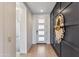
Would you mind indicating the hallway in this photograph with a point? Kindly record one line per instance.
(50, 23)
(39, 29)
(35, 28)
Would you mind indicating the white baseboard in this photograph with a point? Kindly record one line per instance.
(46, 43)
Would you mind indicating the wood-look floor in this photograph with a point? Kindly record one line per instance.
(41, 50)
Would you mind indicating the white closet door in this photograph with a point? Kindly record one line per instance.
(10, 29)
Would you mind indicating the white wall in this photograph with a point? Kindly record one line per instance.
(47, 25)
(7, 29)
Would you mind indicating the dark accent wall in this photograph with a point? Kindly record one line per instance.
(69, 47)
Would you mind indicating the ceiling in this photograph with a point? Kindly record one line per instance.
(41, 7)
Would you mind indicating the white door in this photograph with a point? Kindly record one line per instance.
(40, 31)
(9, 34)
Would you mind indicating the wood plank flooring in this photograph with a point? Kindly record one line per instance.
(41, 50)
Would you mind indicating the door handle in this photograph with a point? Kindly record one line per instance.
(9, 39)
(36, 31)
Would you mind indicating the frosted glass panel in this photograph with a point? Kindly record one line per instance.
(40, 32)
(41, 20)
(41, 27)
(41, 38)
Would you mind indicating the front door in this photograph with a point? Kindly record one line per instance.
(40, 31)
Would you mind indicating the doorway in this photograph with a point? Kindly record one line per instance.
(41, 29)
(40, 32)
(21, 29)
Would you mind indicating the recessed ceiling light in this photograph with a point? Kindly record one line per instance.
(42, 10)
